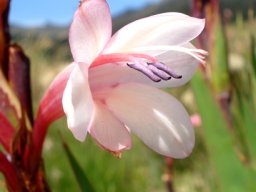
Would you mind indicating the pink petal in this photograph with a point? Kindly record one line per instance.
(155, 117)
(112, 74)
(161, 29)
(78, 104)
(90, 30)
(109, 131)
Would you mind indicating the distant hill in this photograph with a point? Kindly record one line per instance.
(183, 6)
(50, 42)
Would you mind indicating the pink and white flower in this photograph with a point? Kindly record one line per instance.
(112, 87)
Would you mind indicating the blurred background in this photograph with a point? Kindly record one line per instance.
(223, 93)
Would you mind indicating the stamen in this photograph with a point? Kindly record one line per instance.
(166, 69)
(146, 71)
(155, 71)
(159, 73)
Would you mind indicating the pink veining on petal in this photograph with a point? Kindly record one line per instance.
(121, 57)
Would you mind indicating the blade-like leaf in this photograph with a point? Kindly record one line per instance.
(81, 177)
(249, 122)
(232, 177)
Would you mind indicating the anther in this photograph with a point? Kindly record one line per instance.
(163, 75)
(155, 71)
(145, 70)
(166, 69)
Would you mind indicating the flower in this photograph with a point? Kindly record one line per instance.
(112, 87)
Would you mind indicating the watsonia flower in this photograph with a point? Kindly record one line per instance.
(112, 87)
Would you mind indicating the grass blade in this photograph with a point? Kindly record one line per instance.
(230, 173)
(81, 177)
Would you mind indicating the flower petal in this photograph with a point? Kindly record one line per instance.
(161, 29)
(112, 74)
(155, 117)
(78, 104)
(181, 63)
(90, 30)
(109, 131)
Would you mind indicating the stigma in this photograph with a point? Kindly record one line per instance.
(156, 71)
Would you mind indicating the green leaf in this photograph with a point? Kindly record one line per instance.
(81, 177)
(231, 176)
(252, 54)
(249, 122)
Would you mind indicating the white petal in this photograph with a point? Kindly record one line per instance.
(90, 30)
(155, 117)
(113, 74)
(78, 104)
(108, 131)
(181, 63)
(162, 29)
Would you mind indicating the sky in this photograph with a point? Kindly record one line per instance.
(39, 12)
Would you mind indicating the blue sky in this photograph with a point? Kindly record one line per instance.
(38, 12)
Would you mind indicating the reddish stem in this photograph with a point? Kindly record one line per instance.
(168, 174)
(10, 174)
(7, 132)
